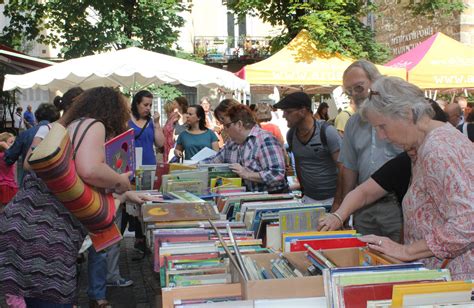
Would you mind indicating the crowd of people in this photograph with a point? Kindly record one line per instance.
(395, 161)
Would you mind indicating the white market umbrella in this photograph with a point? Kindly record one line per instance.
(125, 68)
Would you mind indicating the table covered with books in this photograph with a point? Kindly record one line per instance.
(217, 245)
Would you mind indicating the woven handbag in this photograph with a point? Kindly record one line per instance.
(53, 162)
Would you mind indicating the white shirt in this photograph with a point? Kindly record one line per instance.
(19, 121)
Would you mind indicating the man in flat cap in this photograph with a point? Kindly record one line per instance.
(315, 146)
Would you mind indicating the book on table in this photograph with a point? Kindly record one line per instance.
(170, 212)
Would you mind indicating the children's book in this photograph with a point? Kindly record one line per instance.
(106, 238)
(166, 212)
(120, 153)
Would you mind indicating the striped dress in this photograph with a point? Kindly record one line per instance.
(39, 244)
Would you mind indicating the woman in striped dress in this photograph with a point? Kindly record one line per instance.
(39, 237)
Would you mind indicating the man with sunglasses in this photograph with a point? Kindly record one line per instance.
(362, 153)
(315, 146)
(253, 153)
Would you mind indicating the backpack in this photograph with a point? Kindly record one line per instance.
(323, 137)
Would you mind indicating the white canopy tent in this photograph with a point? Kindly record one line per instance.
(130, 68)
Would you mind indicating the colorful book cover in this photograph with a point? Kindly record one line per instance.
(218, 182)
(300, 220)
(357, 296)
(287, 238)
(331, 243)
(452, 291)
(120, 153)
(166, 212)
(105, 238)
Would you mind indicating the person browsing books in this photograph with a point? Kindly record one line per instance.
(394, 176)
(438, 207)
(38, 258)
(254, 154)
(197, 136)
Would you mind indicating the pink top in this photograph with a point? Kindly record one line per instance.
(439, 204)
(7, 173)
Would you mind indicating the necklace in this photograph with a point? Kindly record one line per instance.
(304, 133)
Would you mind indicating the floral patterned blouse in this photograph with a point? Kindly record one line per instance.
(439, 204)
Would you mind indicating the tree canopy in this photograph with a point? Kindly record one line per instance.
(85, 27)
(335, 25)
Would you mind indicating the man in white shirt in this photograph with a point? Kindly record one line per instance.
(19, 122)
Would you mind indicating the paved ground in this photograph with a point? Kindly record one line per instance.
(144, 293)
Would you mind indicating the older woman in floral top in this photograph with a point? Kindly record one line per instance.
(438, 208)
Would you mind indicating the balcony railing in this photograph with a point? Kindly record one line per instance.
(222, 49)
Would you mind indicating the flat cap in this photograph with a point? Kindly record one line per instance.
(294, 100)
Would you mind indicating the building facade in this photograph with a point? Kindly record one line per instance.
(398, 29)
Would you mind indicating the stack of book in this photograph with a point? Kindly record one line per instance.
(193, 181)
(187, 264)
(200, 179)
(195, 256)
(354, 286)
(231, 204)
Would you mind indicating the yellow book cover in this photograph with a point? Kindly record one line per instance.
(225, 182)
(399, 291)
(175, 166)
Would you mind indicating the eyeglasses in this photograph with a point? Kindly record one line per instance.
(372, 93)
(357, 89)
(227, 125)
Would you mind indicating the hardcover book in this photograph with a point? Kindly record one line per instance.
(166, 212)
(120, 153)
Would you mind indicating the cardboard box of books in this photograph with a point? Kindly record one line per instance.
(207, 293)
(287, 275)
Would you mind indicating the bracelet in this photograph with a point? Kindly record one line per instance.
(338, 217)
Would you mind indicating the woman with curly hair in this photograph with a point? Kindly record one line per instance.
(39, 237)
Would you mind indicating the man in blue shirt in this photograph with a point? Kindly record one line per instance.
(29, 117)
(46, 113)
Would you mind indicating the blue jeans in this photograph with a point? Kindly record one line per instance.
(97, 274)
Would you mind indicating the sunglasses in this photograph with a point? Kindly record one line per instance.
(357, 89)
(372, 93)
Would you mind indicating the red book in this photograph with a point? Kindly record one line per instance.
(357, 295)
(161, 169)
(317, 244)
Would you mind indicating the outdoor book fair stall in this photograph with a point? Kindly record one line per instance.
(217, 245)
(214, 243)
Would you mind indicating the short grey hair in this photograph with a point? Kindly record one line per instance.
(396, 98)
(368, 67)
